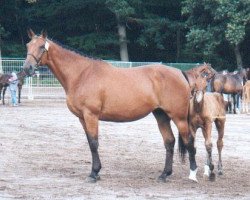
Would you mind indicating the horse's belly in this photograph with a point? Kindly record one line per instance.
(125, 112)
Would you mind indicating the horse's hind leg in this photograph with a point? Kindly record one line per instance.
(220, 124)
(19, 93)
(235, 104)
(90, 125)
(209, 167)
(169, 141)
(186, 143)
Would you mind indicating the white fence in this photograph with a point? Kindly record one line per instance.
(44, 85)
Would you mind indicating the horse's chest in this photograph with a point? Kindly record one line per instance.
(197, 121)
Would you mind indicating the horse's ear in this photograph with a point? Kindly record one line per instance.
(44, 34)
(31, 34)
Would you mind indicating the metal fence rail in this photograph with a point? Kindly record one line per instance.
(44, 84)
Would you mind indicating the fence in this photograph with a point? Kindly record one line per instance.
(44, 85)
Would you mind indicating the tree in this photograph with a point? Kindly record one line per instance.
(159, 29)
(122, 11)
(87, 26)
(216, 24)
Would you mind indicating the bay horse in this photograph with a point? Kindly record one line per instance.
(206, 109)
(248, 73)
(229, 83)
(4, 83)
(96, 90)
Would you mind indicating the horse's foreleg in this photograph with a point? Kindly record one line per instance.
(1, 92)
(209, 167)
(235, 103)
(220, 124)
(90, 125)
(4, 90)
(19, 93)
(169, 141)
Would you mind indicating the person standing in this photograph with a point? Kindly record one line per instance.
(13, 81)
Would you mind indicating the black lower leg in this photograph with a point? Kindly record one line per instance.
(96, 164)
(192, 151)
(169, 160)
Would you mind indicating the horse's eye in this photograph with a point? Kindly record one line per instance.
(42, 47)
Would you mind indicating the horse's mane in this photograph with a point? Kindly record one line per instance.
(76, 51)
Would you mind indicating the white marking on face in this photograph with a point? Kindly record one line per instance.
(46, 46)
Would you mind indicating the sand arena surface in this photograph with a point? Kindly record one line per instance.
(45, 155)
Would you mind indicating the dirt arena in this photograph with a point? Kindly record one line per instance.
(45, 155)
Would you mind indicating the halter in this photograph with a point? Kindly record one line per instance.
(38, 61)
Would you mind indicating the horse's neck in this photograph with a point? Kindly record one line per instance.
(191, 80)
(21, 75)
(197, 106)
(66, 65)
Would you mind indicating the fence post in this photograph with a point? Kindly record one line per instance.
(30, 93)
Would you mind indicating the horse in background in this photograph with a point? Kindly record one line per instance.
(206, 108)
(4, 83)
(96, 90)
(248, 73)
(230, 83)
(246, 97)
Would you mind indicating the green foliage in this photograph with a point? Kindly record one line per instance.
(157, 30)
(121, 8)
(212, 23)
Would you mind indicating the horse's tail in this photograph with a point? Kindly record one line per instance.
(182, 149)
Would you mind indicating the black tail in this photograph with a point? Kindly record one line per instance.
(182, 149)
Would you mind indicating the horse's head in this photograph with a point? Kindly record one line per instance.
(200, 76)
(36, 49)
(243, 74)
(206, 71)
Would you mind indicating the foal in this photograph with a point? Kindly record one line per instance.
(246, 97)
(206, 108)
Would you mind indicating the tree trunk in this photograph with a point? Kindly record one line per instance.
(1, 64)
(238, 55)
(178, 44)
(122, 40)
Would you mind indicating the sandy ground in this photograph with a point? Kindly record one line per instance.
(45, 155)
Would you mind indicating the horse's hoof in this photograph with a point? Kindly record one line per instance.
(207, 171)
(220, 173)
(91, 179)
(212, 177)
(192, 175)
(162, 179)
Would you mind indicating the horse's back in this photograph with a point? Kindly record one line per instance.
(214, 104)
(227, 84)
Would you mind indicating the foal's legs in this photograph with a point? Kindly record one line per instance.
(209, 167)
(168, 137)
(90, 125)
(220, 124)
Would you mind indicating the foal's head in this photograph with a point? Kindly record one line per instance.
(36, 50)
(202, 73)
